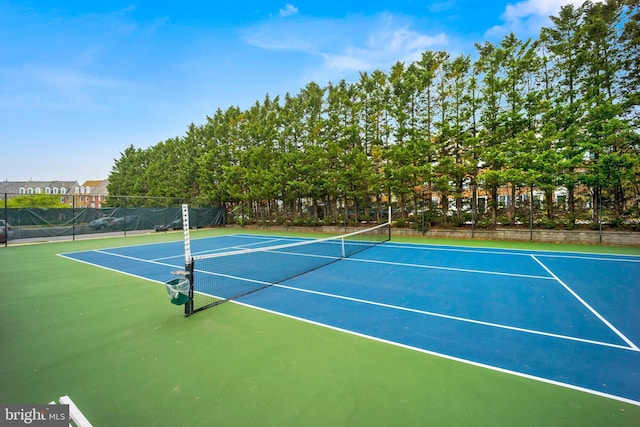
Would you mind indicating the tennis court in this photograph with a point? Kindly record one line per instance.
(569, 319)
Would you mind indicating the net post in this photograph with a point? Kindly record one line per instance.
(188, 261)
(389, 221)
(188, 307)
(185, 230)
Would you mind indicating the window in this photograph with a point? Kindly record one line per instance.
(47, 190)
(22, 190)
(29, 190)
(562, 200)
(38, 190)
(63, 190)
(503, 200)
(482, 204)
(55, 190)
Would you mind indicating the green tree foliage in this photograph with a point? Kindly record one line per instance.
(127, 177)
(524, 117)
(36, 201)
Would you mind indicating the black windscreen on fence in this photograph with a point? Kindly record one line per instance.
(25, 223)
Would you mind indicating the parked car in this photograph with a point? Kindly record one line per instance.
(5, 231)
(116, 223)
(104, 222)
(175, 225)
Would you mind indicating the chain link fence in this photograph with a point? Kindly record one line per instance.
(70, 219)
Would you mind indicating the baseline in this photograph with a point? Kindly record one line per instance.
(591, 309)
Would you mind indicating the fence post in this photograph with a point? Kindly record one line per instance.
(474, 208)
(73, 217)
(6, 227)
(124, 221)
(600, 215)
(531, 214)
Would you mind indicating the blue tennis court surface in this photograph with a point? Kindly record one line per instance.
(566, 318)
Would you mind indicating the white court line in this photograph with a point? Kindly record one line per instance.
(424, 312)
(519, 252)
(456, 318)
(594, 392)
(403, 264)
(139, 245)
(458, 270)
(593, 258)
(425, 351)
(591, 309)
(268, 241)
(228, 248)
(632, 346)
(220, 250)
(108, 268)
(137, 259)
(461, 319)
(448, 357)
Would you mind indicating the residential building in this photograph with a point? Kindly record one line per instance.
(92, 194)
(65, 190)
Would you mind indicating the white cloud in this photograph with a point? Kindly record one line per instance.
(384, 47)
(347, 45)
(62, 79)
(526, 18)
(53, 87)
(288, 10)
(442, 6)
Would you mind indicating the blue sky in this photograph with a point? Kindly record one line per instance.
(80, 80)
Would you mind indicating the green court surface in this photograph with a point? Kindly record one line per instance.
(127, 357)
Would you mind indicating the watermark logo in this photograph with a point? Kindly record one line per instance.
(34, 415)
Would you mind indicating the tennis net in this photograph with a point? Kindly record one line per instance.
(221, 277)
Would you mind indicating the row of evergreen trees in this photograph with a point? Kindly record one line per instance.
(558, 111)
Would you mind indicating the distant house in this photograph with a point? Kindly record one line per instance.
(65, 190)
(92, 194)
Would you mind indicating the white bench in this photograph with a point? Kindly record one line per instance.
(77, 418)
